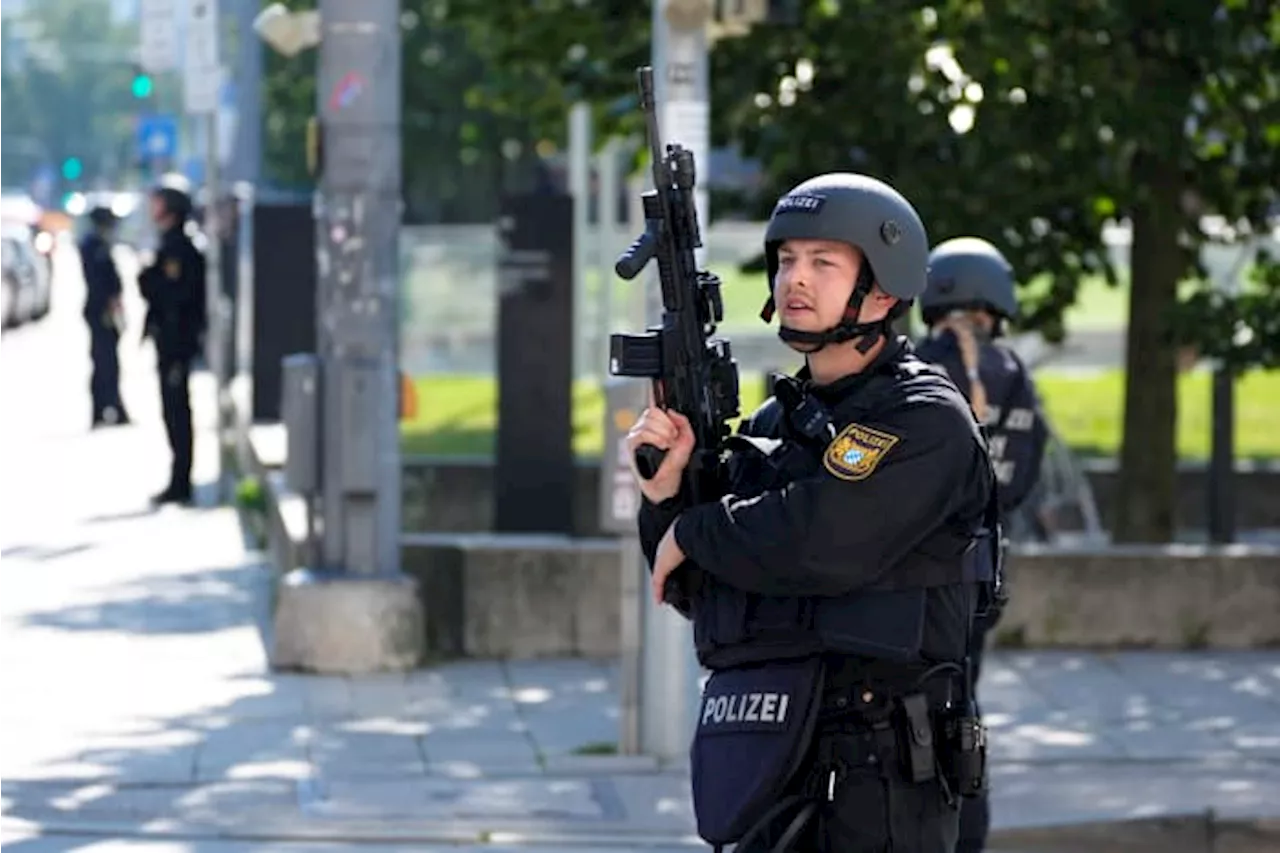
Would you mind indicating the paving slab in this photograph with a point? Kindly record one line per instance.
(138, 700)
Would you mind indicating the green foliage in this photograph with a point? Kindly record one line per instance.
(1241, 329)
(1032, 123)
(542, 56)
(457, 414)
(463, 145)
(67, 91)
(1076, 111)
(250, 495)
(289, 100)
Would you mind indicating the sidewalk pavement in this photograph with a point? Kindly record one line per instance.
(138, 701)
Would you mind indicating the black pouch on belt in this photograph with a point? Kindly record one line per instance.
(755, 726)
(922, 758)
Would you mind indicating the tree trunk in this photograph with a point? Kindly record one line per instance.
(1148, 455)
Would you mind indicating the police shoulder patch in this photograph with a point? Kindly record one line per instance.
(173, 268)
(857, 451)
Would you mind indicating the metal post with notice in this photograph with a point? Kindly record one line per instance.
(619, 503)
(670, 672)
(1226, 265)
(202, 80)
(355, 611)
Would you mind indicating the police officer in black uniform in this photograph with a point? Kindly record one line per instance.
(970, 296)
(969, 299)
(174, 288)
(103, 313)
(833, 587)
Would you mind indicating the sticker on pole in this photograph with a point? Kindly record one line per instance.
(347, 91)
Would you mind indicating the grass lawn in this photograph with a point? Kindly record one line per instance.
(456, 414)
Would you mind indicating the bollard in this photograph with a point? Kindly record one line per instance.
(300, 413)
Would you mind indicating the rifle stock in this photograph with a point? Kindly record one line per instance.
(691, 371)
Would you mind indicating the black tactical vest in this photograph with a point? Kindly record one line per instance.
(1016, 432)
(888, 621)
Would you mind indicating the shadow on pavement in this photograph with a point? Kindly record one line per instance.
(189, 603)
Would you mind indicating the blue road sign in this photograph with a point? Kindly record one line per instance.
(157, 137)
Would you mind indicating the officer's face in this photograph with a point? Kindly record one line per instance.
(814, 282)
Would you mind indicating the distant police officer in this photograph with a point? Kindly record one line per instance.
(103, 313)
(832, 589)
(174, 287)
(969, 298)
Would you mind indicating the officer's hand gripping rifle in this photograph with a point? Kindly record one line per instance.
(692, 372)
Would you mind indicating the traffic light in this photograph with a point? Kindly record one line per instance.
(72, 168)
(142, 85)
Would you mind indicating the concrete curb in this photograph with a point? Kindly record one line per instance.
(1187, 833)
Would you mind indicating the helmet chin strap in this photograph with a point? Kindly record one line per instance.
(848, 329)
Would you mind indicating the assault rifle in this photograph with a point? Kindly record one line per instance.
(692, 372)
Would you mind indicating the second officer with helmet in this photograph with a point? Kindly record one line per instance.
(969, 299)
(833, 587)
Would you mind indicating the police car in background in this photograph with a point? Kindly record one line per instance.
(28, 259)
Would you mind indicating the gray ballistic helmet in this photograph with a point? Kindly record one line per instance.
(871, 216)
(968, 272)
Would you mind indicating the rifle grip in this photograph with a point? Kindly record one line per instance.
(649, 460)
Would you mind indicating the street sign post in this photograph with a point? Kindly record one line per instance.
(158, 42)
(157, 138)
(201, 78)
(201, 90)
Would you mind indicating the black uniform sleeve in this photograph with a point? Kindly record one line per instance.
(653, 521)
(199, 283)
(883, 488)
(108, 279)
(149, 279)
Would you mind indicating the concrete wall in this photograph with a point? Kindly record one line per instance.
(531, 596)
(455, 495)
(517, 596)
(491, 596)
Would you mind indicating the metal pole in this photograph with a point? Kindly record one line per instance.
(670, 673)
(358, 221)
(1222, 458)
(1227, 265)
(215, 334)
(247, 163)
(607, 229)
(241, 385)
(580, 188)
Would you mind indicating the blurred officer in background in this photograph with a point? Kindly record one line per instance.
(969, 298)
(105, 316)
(174, 288)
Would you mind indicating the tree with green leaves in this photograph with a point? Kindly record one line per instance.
(541, 57)
(1158, 114)
(460, 153)
(1032, 123)
(67, 90)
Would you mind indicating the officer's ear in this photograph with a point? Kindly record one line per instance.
(880, 304)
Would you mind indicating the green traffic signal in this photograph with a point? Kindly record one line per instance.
(142, 86)
(72, 168)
